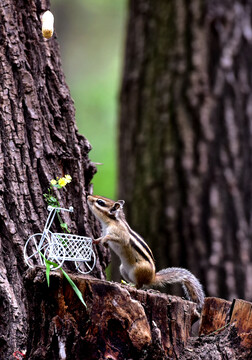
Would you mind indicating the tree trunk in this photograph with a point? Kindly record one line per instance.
(38, 141)
(185, 137)
(123, 323)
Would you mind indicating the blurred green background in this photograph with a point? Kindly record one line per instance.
(91, 34)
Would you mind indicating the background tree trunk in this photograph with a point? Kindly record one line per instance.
(185, 137)
(38, 141)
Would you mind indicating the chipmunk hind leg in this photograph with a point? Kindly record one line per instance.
(144, 274)
(141, 274)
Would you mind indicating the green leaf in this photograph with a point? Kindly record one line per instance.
(64, 226)
(48, 261)
(48, 268)
(75, 288)
(53, 201)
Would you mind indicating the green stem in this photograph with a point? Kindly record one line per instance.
(217, 330)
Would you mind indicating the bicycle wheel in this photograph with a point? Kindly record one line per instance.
(55, 253)
(33, 250)
(85, 267)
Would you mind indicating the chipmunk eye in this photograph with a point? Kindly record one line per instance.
(101, 202)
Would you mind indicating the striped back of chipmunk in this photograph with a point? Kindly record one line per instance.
(138, 243)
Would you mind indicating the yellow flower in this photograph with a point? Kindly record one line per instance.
(53, 182)
(68, 178)
(62, 182)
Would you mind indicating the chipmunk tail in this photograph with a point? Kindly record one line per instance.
(191, 285)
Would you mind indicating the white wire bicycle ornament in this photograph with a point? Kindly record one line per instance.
(59, 247)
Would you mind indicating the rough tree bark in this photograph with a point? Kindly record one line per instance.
(185, 137)
(38, 141)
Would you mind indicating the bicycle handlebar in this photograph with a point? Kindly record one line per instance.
(51, 208)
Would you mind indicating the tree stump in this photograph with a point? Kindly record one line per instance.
(121, 322)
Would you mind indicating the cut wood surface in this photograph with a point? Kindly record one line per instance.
(121, 322)
(242, 320)
(226, 332)
(218, 314)
(214, 315)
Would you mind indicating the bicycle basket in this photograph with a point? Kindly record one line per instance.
(77, 248)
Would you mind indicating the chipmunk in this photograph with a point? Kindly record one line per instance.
(137, 261)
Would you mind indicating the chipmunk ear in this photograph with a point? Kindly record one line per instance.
(121, 202)
(117, 205)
